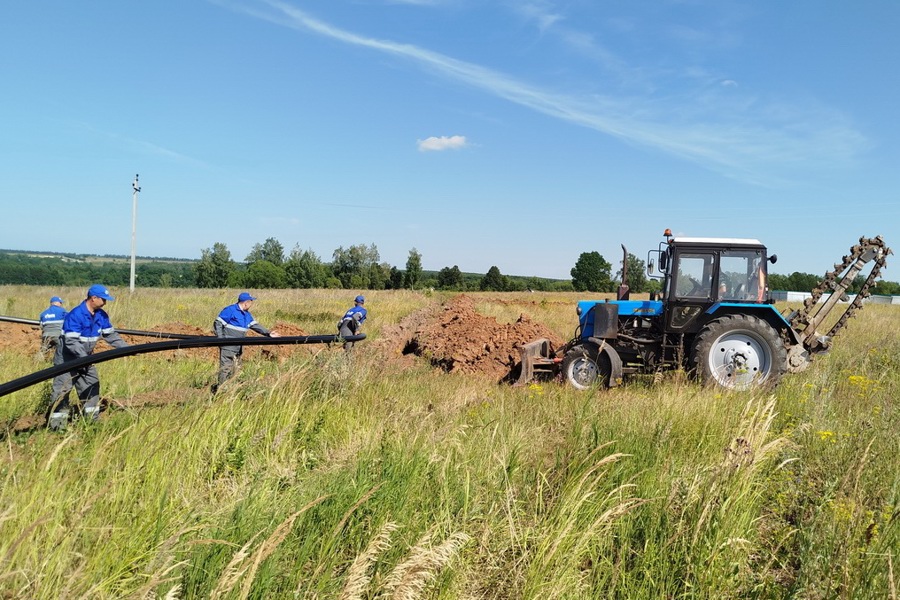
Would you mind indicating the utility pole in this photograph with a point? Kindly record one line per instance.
(134, 197)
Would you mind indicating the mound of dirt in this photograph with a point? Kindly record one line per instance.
(456, 338)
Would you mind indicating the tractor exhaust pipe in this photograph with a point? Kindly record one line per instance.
(624, 292)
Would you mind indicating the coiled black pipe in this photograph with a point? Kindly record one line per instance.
(179, 344)
(156, 334)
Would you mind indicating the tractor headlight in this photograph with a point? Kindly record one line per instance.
(578, 310)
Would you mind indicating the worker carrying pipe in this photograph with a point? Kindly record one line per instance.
(82, 328)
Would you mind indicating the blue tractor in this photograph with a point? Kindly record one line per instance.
(713, 318)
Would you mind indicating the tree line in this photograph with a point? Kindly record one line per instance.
(358, 267)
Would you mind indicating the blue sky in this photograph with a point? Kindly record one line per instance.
(514, 133)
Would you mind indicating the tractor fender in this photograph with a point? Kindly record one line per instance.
(766, 312)
(615, 361)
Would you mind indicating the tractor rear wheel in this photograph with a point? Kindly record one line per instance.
(739, 352)
(584, 366)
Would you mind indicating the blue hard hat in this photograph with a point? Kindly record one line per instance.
(100, 291)
(244, 296)
(360, 299)
(56, 299)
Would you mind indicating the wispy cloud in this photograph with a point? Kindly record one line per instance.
(437, 144)
(539, 12)
(753, 141)
(143, 147)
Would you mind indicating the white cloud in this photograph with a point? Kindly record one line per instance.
(437, 144)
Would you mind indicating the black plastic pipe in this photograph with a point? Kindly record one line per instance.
(179, 344)
(156, 334)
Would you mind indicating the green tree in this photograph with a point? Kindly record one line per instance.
(561, 286)
(536, 284)
(493, 281)
(263, 274)
(270, 250)
(215, 267)
(413, 269)
(637, 274)
(887, 288)
(450, 278)
(778, 282)
(353, 266)
(304, 269)
(237, 278)
(801, 282)
(396, 278)
(592, 273)
(379, 276)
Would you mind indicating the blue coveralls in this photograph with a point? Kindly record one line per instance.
(233, 322)
(351, 323)
(81, 331)
(51, 326)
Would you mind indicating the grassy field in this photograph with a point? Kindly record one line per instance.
(367, 477)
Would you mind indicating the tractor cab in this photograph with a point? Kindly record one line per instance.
(701, 275)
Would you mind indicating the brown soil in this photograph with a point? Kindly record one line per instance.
(456, 338)
(16, 337)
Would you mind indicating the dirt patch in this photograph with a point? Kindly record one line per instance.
(456, 338)
(17, 337)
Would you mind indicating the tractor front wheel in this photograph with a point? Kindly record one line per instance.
(739, 352)
(584, 366)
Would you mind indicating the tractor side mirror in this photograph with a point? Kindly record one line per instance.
(773, 259)
(663, 261)
(650, 267)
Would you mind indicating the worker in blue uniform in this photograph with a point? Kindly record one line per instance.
(51, 325)
(351, 322)
(233, 322)
(82, 328)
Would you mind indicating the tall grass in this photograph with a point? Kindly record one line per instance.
(333, 477)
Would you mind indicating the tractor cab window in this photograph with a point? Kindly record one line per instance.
(742, 276)
(694, 275)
